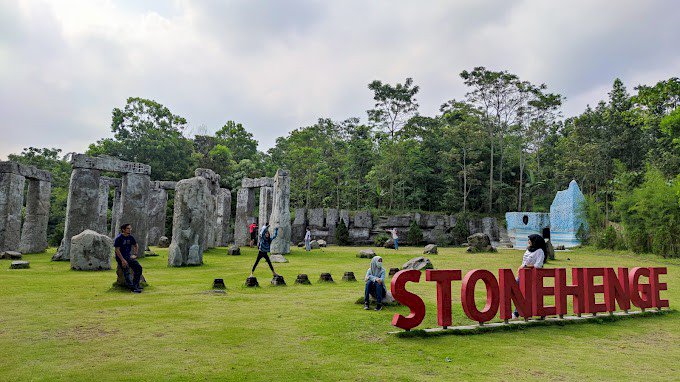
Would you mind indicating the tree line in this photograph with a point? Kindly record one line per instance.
(504, 146)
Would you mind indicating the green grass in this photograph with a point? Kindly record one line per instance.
(58, 324)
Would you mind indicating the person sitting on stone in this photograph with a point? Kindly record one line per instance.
(264, 247)
(375, 283)
(533, 257)
(126, 255)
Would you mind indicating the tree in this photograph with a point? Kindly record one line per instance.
(394, 105)
(147, 132)
(239, 141)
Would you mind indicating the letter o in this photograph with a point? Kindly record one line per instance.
(467, 295)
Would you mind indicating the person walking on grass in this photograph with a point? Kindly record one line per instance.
(375, 283)
(395, 237)
(126, 249)
(264, 247)
(308, 240)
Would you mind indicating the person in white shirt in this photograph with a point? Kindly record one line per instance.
(308, 240)
(534, 257)
(395, 237)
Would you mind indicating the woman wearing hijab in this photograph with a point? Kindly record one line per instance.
(375, 282)
(534, 256)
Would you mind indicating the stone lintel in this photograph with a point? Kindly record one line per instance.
(105, 163)
(257, 182)
(165, 184)
(112, 182)
(30, 172)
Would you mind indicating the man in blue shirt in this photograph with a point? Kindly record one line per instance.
(126, 256)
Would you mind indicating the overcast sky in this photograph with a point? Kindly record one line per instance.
(278, 65)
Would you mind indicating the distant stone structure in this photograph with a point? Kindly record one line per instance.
(157, 205)
(86, 196)
(560, 225)
(245, 206)
(32, 236)
(280, 216)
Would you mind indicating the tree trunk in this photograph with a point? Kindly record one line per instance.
(521, 173)
(464, 182)
(491, 179)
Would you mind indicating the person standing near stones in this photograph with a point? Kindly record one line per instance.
(253, 234)
(534, 257)
(264, 248)
(308, 240)
(395, 237)
(126, 249)
(375, 283)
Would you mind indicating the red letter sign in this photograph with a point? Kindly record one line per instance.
(616, 289)
(639, 293)
(406, 298)
(511, 292)
(657, 287)
(540, 291)
(591, 290)
(443, 279)
(467, 295)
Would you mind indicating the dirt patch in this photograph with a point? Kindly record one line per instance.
(82, 333)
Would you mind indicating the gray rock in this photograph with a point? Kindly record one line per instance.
(316, 217)
(278, 281)
(303, 279)
(322, 243)
(192, 199)
(366, 254)
(344, 215)
(11, 203)
(10, 255)
(134, 198)
(389, 243)
(550, 253)
(479, 240)
(223, 235)
(349, 276)
(359, 234)
(397, 221)
(363, 219)
(326, 278)
(257, 182)
(110, 164)
(157, 203)
(418, 263)
(19, 264)
(314, 244)
(163, 242)
(251, 282)
(245, 204)
(490, 227)
(280, 216)
(234, 250)
(34, 230)
(393, 271)
(332, 217)
(91, 251)
(278, 259)
(430, 249)
(266, 195)
(387, 299)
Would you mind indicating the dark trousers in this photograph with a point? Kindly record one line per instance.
(132, 281)
(263, 255)
(375, 289)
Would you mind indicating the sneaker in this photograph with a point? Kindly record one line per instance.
(136, 291)
(379, 307)
(366, 307)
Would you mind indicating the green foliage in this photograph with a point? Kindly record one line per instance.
(583, 235)
(381, 239)
(460, 230)
(414, 235)
(342, 233)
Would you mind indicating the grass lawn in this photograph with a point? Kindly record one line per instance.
(58, 324)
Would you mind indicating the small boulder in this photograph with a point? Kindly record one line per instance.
(10, 255)
(393, 271)
(389, 243)
(322, 243)
(278, 281)
(366, 254)
(219, 284)
(163, 242)
(314, 244)
(430, 249)
(387, 299)
(91, 251)
(301, 244)
(251, 282)
(550, 253)
(480, 242)
(326, 278)
(19, 264)
(278, 259)
(234, 250)
(349, 276)
(418, 263)
(303, 279)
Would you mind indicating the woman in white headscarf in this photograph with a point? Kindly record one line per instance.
(375, 282)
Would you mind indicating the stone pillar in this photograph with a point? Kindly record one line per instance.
(280, 216)
(214, 189)
(245, 203)
(331, 224)
(222, 234)
(192, 197)
(134, 199)
(11, 202)
(156, 206)
(103, 206)
(82, 208)
(34, 231)
(115, 213)
(265, 205)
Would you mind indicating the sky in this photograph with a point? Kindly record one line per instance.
(277, 65)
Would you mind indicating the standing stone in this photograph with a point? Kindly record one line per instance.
(134, 198)
(280, 216)
(222, 233)
(82, 208)
(315, 217)
(211, 208)
(115, 213)
(245, 203)
(278, 281)
(265, 205)
(34, 231)
(192, 197)
(331, 223)
(363, 219)
(490, 227)
(91, 251)
(299, 228)
(11, 202)
(103, 205)
(157, 204)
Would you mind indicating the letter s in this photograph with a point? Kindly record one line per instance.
(407, 298)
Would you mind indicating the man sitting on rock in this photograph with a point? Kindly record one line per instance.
(126, 256)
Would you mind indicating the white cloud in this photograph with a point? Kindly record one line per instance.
(275, 66)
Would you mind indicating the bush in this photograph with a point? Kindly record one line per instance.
(460, 231)
(342, 234)
(415, 234)
(583, 235)
(380, 240)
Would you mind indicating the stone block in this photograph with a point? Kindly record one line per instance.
(27, 171)
(192, 199)
(91, 251)
(418, 263)
(234, 251)
(257, 182)
(366, 254)
(163, 242)
(430, 249)
(332, 216)
(278, 259)
(19, 264)
(10, 255)
(359, 234)
(315, 217)
(363, 219)
(104, 163)
(11, 204)
(344, 215)
(280, 217)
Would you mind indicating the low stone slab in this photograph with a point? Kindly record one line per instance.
(430, 249)
(234, 250)
(278, 259)
(163, 242)
(322, 243)
(278, 281)
(10, 255)
(326, 278)
(418, 263)
(349, 276)
(366, 254)
(251, 282)
(314, 244)
(303, 279)
(19, 264)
